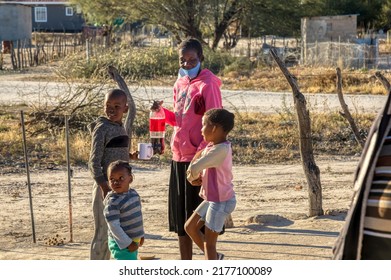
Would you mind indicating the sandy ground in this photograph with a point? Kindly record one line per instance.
(270, 221)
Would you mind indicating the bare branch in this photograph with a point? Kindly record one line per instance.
(311, 170)
(113, 72)
(346, 114)
(384, 81)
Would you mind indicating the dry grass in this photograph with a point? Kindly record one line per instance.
(263, 138)
(257, 138)
(44, 150)
(310, 80)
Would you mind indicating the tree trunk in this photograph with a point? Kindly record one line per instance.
(113, 72)
(346, 114)
(193, 31)
(311, 170)
(228, 17)
(218, 34)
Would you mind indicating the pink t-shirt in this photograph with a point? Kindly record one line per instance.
(186, 120)
(215, 166)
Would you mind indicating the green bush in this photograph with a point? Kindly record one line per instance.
(145, 63)
(216, 61)
(241, 65)
(134, 63)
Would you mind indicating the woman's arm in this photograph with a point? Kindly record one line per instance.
(170, 117)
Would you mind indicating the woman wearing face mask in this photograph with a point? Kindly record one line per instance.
(196, 90)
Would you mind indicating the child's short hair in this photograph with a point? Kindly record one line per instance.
(119, 164)
(191, 44)
(221, 117)
(116, 93)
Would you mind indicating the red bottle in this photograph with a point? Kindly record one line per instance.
(157, 130)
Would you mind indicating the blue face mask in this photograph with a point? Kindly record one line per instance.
(192, 73)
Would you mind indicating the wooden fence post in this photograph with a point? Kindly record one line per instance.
(69, 172)
(311, 170)
(28, 174)
(346, 114)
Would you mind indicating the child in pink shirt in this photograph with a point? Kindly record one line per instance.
(212, 169)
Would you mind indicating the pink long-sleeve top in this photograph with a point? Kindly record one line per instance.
(215, 166)
(191, 99)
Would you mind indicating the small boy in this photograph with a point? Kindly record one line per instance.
(110, 142)
(122, 211)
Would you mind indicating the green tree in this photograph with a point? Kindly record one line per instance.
(385, 15)
(222, 19)
(195, 18)
(277, 17)
(104, 13)
(183, 18)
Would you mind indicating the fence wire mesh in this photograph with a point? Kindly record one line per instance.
(346, 55)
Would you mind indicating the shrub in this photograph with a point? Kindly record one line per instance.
(243, 66)
(146, 63)
(134, 63)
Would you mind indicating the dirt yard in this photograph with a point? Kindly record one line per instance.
(270, 221)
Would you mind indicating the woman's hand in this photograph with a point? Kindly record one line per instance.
(134, 155)
(156, 105)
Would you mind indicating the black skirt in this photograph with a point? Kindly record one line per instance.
(183, 198)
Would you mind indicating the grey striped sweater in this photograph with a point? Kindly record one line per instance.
(124, 217)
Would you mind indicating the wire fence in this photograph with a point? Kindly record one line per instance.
(338, 54)
(51, 46)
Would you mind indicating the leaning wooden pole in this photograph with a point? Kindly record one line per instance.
(69, 179)
(113, 72)
(28, 174)
(384, 81)
(311, 170)
(346, 114)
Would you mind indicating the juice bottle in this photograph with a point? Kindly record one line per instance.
(157, 130)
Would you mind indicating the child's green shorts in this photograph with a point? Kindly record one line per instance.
(119, 254)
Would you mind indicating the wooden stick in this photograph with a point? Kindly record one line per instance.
(28, 174)
(346, 114)
(114, 74)
(69, 179)
(384, 81)
(311, 170)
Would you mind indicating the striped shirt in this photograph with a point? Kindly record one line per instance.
(377, 221)
(124, 217)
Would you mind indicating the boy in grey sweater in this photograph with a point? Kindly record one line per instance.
(110, 142)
